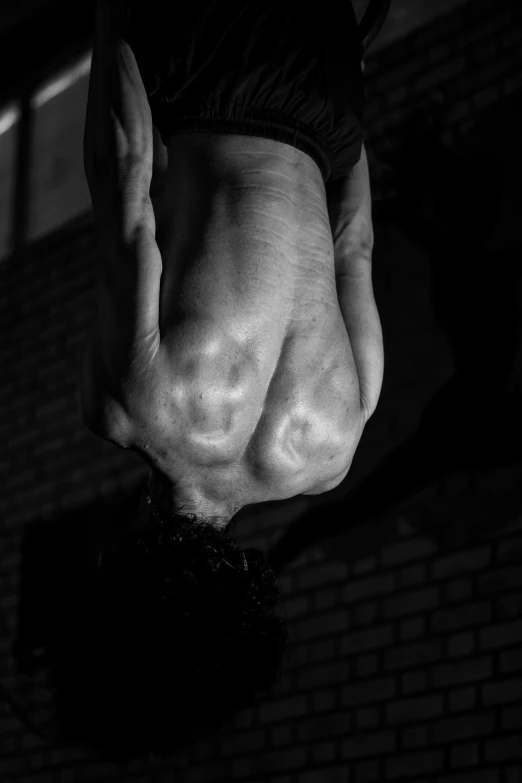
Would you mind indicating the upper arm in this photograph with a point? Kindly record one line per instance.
(128, 312)
(352, 232)
(121, 355)
(118, 160)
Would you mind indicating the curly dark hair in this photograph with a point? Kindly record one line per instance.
(166, 642)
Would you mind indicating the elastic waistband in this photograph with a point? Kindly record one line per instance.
(252, 122)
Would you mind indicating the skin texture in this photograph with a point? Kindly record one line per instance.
(228, 311)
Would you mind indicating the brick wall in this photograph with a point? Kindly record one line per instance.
(408, 631)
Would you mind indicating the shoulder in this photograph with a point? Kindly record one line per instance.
(101, 412)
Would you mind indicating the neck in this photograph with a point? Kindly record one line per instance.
(161, 492)
(167, 501)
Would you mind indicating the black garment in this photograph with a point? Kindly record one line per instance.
(282, 70)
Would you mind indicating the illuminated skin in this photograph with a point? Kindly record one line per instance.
(237, 346)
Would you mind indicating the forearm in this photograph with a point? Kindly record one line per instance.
(350, 211)
(118, 140)
(350, 214)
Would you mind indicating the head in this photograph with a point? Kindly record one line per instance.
(166, 641)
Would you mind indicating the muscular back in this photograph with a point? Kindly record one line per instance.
(253, 387)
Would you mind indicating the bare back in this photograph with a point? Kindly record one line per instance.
(256, 392)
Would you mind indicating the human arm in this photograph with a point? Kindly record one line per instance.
(118, 162)
(350, 212)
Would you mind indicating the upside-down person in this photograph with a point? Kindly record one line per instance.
(237, 347)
